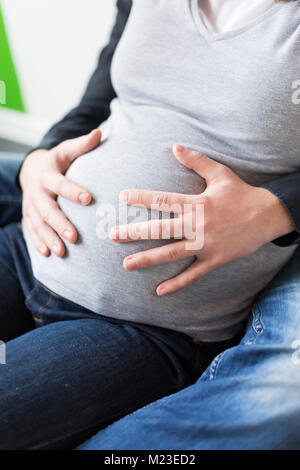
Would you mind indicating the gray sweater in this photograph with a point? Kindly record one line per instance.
(228, 96)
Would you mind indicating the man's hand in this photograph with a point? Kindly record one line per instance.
(42, 180)
(238, 220)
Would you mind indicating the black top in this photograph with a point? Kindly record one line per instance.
(93, 109)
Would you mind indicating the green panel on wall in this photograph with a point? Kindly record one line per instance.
(10, 93)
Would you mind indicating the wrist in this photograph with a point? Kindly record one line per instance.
(275, 220)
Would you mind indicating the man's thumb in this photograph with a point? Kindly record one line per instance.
(201, 164)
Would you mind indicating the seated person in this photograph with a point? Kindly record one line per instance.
(114, 340)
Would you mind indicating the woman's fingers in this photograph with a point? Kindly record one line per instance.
(193, 273)
(59, 185)
(54, 218)
(149, 230)
(37, 242)
(71, 149)
(42, 234)
(161, 255)
(156, 200)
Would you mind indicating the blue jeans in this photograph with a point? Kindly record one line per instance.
(248, 398)
(70, 372)
(10, 195)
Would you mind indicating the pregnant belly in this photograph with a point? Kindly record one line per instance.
(91, 274)
(106, 171)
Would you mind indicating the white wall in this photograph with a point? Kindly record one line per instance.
(55, 45)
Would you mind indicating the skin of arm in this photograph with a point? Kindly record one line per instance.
(238, 220)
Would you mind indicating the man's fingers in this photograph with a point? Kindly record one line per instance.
(42, 232)
(156, 200)
(165, 229)
(71, 149)
(60, 186)
(201, 164)
(161, 255)
(192, 274)
(54, 217)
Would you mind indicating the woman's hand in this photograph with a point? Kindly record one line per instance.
(228, 221)
(42, 180)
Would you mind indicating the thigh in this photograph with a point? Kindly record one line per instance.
(10, 194)
(15, 318)
(65, 380)
(248, 398)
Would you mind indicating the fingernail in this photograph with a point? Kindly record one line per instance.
(84, 198)
(68, 234)
(56, 249)
(124, 196)
(179, 148)
(43, 249)
(130, 263)
(162, 291)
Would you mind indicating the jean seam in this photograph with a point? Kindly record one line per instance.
(47, 304)
(215, 365)
(29, 295)
(257, 323)
(41, 307)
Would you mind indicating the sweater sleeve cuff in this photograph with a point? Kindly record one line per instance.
(288, 192)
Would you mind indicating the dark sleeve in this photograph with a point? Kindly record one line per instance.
(93, 108)
(287, 189)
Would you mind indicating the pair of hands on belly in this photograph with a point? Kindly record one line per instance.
(228, 221)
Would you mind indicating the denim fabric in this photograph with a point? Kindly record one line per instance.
(248, 398)
(10, 194)
(69, 371)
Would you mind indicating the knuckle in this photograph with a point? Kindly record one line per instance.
(173, 253)
(201, 199)
(135, 197)
(192, 277)
(47, 213)
(133, 232)
(162, 200)
(50, 239)
(60, 227)
(61, 155)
